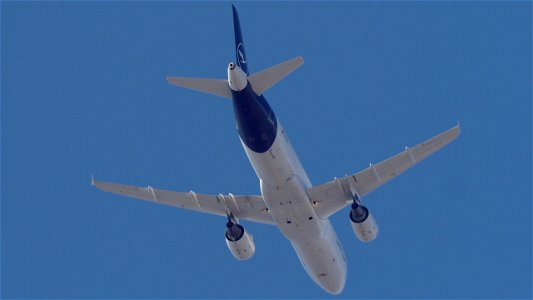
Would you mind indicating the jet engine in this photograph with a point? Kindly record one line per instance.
(240, 243)
(363, 223)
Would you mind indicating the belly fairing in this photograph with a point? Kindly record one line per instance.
(292, 210)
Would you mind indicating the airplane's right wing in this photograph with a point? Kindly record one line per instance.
(251, 208)
(333, 196)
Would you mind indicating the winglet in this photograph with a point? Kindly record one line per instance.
(457, 128)
(92, 179)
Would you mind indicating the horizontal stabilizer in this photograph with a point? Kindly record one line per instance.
(218, 87)
(265, 79)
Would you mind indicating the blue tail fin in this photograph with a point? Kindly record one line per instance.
(239, 44)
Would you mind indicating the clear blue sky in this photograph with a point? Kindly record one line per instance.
(83, 90)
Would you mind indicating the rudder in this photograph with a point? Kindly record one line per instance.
(239, 44)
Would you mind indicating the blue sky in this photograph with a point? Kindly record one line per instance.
(83, 91)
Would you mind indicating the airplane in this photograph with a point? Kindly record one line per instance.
(288, 200)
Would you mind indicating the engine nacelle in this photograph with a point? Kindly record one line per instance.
(363, 223)
(240, 243)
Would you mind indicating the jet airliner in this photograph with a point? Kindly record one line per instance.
(288, 200)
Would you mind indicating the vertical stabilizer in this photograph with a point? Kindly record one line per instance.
(239, 44)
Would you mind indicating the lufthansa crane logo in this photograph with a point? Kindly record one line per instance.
(240, 54)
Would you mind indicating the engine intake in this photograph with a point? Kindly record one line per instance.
(363, 223)
(239, 242)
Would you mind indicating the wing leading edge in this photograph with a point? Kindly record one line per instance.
(250, 208)
(335, 195)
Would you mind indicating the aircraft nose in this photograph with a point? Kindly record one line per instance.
(335, 288)
(332, 284)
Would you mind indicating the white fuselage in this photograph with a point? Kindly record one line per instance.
(283, 186)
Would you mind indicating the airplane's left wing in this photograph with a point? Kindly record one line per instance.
(251, 208)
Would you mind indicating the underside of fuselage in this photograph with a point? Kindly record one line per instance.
(283, 187)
